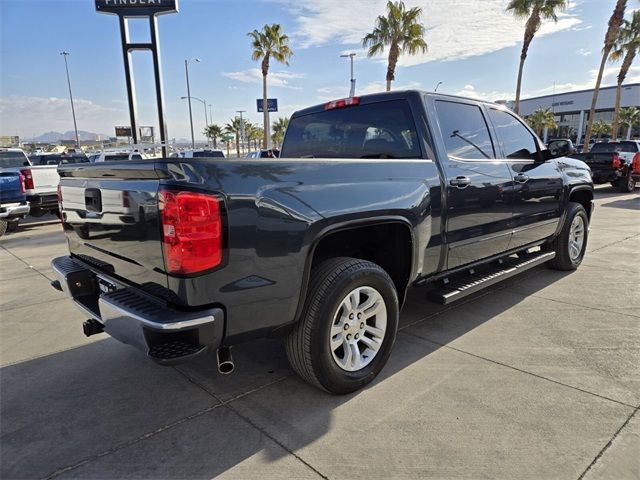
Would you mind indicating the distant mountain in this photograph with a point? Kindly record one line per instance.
(52, 137)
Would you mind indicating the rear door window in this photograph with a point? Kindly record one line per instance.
(377, 130)
(610, 147)
(516, 140)
(465, 131)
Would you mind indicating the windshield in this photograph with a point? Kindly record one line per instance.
(13, 159)
(611, 147)
(378, 130)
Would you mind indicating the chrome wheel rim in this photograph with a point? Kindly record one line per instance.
(358, 328)
(631, 183)
(576, 237)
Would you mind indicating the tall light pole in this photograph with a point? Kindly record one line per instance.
(352, 91)
(210, 114)
(186, 70)
(436, 89)
(204, 103)
(241, 128)
(73, 110)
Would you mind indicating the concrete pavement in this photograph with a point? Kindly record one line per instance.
(537, 377)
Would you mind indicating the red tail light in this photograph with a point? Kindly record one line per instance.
(343, 102)
(635, 164)
(28, 178)
(59, 190)
(615, 164)
(191, 231)
(23, 189)
(125, 199)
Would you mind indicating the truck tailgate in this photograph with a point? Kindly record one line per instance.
(110, 218)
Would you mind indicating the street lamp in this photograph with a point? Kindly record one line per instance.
(204, 103)
(436, 89)
(186, 69)
(352, 91)
(73, 111)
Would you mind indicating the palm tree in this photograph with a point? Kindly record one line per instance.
(214, 132)
(233, 128)
(625, 47)
(629, 116)
(270, 42)
(279, 127)
(540, 119)
(609, 41)
(600, 127)
(401, 31)
(534, 11)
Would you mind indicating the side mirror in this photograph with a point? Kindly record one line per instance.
(559, 148)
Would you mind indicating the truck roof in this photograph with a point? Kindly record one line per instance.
(393, 95)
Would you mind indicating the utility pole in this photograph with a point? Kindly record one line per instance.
(73, 111)
(352, 91)
(241, 128)
(186, 69)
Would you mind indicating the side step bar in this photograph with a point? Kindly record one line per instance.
(460, 287)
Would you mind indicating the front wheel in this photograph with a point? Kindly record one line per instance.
(348, 326)
(570, 245)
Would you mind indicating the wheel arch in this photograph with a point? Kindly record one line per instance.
(329, 236)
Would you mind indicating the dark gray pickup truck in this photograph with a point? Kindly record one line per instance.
(372, 195)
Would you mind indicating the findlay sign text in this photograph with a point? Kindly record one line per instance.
(137, 8)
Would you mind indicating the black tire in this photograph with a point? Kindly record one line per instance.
(308, 344)
(12, 225)
(3, 227)
(627, 184)
(36, 212)
(560, 244)
(615, 183)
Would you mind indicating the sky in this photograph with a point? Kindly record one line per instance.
(474, 48)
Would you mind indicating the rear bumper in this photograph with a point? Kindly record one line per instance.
(604, 176)
(14, 210)
(166, 335)
(47, 200)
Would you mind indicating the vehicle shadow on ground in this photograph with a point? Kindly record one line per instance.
(108, 411)
(632, 203)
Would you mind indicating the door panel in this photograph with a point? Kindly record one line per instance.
(478, 215)
(538, 186)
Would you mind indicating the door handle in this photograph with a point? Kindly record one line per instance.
(521, 178)
(460, 182)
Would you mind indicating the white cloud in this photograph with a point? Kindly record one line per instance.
(34, 115)
(275, 79)
(492, 96)
(584, 52)
(465, 28)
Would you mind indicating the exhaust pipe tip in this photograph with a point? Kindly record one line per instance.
(225, 361)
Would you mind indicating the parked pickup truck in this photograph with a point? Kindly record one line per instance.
(372, 195)
(41, 181)
(13, 201)
(617, 163)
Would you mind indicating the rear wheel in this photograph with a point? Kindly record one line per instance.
(615, 183)
(348, 327)
(571, 244)
(627, 184)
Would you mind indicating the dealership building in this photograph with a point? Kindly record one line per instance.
(571, 109)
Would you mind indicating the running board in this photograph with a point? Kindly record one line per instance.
(461, 286)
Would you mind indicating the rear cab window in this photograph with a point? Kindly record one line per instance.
(376, 130)
(13, 159)
(611, 147)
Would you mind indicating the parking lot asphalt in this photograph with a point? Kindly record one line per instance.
(537, 377)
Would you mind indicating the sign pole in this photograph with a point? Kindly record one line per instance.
(155, 39)
(131, 91)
